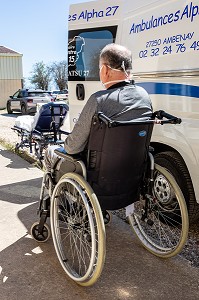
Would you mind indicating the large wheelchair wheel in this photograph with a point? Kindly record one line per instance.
(160, 220)
(78, 230)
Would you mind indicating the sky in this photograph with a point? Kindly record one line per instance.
(35, 28)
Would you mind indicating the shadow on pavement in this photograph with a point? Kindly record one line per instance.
(13, 164)
(29, 270)
(21, 192)
(13, 115)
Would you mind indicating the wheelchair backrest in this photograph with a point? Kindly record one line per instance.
(117, 158)
(51, 117)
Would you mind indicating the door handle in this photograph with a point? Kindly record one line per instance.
(80, 91)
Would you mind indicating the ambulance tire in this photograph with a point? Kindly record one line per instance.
(174, 164)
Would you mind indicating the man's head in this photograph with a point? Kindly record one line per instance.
(115, 64)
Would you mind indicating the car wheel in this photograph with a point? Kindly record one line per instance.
(9, 110)
(23, 110)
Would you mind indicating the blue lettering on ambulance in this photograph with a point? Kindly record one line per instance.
(88, 15)
(189, 12)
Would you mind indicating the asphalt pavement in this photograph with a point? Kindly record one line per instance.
(31, 271)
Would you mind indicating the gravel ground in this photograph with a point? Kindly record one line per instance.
(191, 249)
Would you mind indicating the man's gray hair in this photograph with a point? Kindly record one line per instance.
(117, 57)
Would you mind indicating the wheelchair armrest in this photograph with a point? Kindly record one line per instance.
(62, 153)
(17, 128)
(20, 130)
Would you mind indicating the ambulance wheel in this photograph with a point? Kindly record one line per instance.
(174, 164)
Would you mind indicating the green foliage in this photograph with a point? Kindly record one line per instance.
(59, 71)
(43, 75)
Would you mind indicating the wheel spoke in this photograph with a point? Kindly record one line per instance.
(76, 231)
(161, 220)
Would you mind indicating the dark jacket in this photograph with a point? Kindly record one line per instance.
(123, 101)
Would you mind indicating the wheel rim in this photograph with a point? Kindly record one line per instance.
(162, 189)
(74, 231)
(163, 229)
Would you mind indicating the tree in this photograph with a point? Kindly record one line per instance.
(41, 76)
(60, 74)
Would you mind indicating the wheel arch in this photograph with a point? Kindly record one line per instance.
(160, 147)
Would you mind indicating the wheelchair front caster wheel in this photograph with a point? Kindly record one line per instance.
(40, 237)
(107, 216)
(17, 146)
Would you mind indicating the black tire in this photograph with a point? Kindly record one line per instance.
(9, 110)
(107, 216)
(38, 150)
(23, 110)
(175, 165)
(78, 230)
(17, 146)
(40, 237)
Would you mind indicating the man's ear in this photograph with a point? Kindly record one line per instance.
(106, 70)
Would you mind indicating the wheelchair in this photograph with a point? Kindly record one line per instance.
(37, 132)
(117, 171)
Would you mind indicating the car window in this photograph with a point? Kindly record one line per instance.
(36, 94)
(64, 92)
(16, 94)
(20, 95)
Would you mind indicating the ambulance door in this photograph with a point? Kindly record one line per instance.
(84, 47)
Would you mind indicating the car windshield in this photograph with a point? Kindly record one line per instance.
(63, 92)
(37, 94)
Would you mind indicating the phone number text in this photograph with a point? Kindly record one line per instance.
(177, 48)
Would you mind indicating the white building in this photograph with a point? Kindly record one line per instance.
(11, 74)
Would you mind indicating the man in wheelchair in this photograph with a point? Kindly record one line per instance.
(121, 101)
(106, 164)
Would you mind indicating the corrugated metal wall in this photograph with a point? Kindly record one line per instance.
(10, 67)
(8, 88)
(11, 75)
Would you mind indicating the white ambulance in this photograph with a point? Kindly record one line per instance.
(164, 39)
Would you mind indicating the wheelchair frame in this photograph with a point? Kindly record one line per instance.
(39, 138)
(159, 218)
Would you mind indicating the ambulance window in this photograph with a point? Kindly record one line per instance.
(83, 52)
